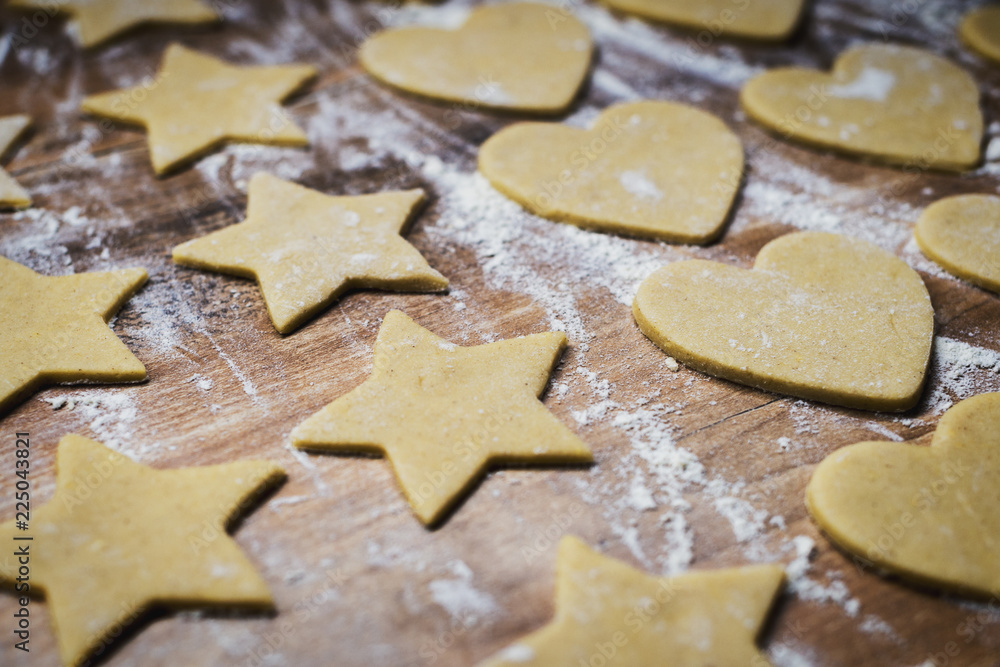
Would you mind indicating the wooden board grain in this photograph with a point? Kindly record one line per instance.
(356, 578)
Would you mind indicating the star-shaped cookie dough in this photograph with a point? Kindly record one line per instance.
(119, 537)
(306, 248)
(12, 195)
(96, 21)
(607, 608)
(197, 102)
(442, 413)
(54, 329)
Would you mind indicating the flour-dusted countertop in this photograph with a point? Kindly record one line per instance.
(691, 471)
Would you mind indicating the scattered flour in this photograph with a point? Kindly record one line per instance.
(872, 84)
(960, 370)
(783, 655)
(109, 413)
(747, 522)
(808, 589)
(564, 270)
(637, 184)
(517, 653)
(459, 598)
(877, 626)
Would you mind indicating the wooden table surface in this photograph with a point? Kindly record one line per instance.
(690, 471)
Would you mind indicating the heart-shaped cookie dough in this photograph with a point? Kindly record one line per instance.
(980, 29)
(516, 56)
(772, 20)
(894, 104)
(929, 514)
(653, 169)
(962, 234)
(821, 316)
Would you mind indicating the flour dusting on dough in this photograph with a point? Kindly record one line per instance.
(639, 185)
(872, 84)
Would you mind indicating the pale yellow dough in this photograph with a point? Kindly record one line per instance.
(306, 248)
(821, 316)
(980, 29)
(607, 608)
(54, 329)
(12, 195)
(118, 537)
(443, 413)
(962, 234)
(928, 514)
(197, 102)
(894, 104)
(517, 56)
(753, 19)
(654, 169)
(96, 21)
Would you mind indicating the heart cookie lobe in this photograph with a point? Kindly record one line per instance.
(962, 234)
(768, 20)
(652, 169)
(893, 104)
(820, 316)
(980, 30)
(929, 514)
(517, 56)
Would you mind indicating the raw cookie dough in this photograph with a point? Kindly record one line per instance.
(198, 102)
(96, 21)
(12, 195)
(54, 329)
(821, 316)
(980, 30)
(962, 234)
(306, 248)
(443, 413)
(517, 56)
(118, 537)
(928, 514)
(709, 617)
(754, 19)
(654, 169)
(894, 104)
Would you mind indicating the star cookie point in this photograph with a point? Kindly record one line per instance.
(12, 195)
(65, 336)
(306, 248)
(443, 414)
(119, 537)
(197, 102)
(705, 617)
(95, 22)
